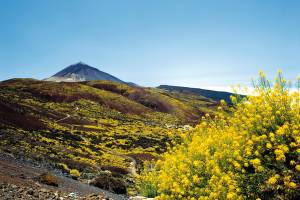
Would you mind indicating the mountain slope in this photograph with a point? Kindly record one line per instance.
(211, 94)
(103, 113)
(81, 72)
(92, 126)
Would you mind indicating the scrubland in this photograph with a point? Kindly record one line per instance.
(249, 150)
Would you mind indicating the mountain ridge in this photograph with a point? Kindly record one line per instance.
(80, 72)
(211, 94)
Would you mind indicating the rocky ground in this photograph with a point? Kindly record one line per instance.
(14, 192)
(19, 180)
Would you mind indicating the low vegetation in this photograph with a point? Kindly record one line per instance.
(111, 183)
(165, 144)
(48, 179)
(83, 129)
(253, 152)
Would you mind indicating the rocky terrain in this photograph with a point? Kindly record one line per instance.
(11, 191)
(20, 180)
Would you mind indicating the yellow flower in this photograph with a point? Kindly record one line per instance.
(237, 165)
(219, 153)
(269, 145)
(262, 73)
(272, 180)
(196, 179)
(196, 163)
(279, 155)
(233, 99)
(74, 172)
(223, 102)
(292, 185)
(230, 195)
(292, 162)
(293, 144)
(255, 162)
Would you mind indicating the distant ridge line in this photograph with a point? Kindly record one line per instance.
(212, 94)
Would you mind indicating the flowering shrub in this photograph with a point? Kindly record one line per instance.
(74, 173)
(253, 152)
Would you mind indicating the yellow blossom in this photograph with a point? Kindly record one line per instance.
(241, 153)
(269, 145)
(292, 185)
(272, 180)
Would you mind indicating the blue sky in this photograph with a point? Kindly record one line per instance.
(208, 44)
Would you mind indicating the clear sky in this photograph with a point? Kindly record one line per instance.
(201, 43)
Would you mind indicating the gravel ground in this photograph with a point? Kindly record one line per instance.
(14, 192)
(19, 180)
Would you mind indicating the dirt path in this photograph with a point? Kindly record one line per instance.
(132, 166)
(67, 117)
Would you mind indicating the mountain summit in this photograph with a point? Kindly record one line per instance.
(81, 72)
